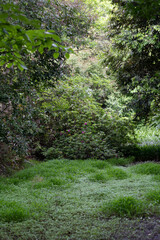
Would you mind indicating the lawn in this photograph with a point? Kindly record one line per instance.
(91, 199)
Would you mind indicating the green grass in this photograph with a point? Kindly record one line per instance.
(124, 207)
(148, 168)
(154, 196)
(92, 199)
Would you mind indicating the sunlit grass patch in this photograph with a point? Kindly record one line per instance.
(147, 168)
(124, 207)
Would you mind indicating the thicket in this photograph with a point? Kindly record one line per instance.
(77, 120)
(35, 40)
(51, 108)
(133, 54)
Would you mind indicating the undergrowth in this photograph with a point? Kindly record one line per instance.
(65, 199)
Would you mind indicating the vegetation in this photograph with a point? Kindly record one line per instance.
(80, 199)
(79, 91)
(133, 53)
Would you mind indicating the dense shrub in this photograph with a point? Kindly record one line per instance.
(73, 124)
(22, 32)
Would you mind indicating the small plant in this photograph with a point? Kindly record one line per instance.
(124, 207)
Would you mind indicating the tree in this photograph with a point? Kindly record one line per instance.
(32, 38)
(133, 55)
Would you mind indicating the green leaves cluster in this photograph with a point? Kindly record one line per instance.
(16, 41)
(133, 54)
(76, 123)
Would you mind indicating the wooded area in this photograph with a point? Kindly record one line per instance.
(80, 80)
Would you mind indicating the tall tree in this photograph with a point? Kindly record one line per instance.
(133, 55)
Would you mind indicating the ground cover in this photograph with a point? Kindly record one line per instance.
(91, 199)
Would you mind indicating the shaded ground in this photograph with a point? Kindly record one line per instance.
(61, 199)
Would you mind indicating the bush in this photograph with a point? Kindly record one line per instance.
(74, 124)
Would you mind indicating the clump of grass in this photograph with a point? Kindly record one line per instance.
(99, 177)
(147, 168)
(121, 161)
(117, 173)
(156, 178)
(13, 212)
(154, 196)
(109, 174)
(101, 164)
(124, 207)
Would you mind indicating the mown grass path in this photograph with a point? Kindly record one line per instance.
(64, 199)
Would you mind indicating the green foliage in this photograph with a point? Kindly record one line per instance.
(108, 174)
(57, 190)
(147, 168)
(121, 161)
(15, 39)
(12, 212)
(133, 53)
(101, 164)
(124, 207)
(99, 177)
(154, 196)
(116, 173)
(29, 40)
(77, 125)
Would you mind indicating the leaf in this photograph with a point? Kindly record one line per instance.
(67, 55)
(56, 55)
(5, 31)
(55, 37)
(27, 37)
(23, 67)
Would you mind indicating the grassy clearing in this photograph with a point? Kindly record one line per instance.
(90, 199)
